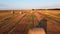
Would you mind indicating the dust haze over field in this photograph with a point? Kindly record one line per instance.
(27, 21)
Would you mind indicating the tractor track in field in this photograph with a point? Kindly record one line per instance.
(19, 29)
(3, 16)
(7, 21)
(38, 18)
(53, 26)
(48, 17)
(7, 18)
(4, 29)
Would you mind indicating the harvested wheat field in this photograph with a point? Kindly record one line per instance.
(29, 21)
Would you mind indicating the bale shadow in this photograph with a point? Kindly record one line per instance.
(43, 24)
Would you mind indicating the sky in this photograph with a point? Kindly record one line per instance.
(28, 4)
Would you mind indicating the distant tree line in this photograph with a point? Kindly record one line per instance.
(47, 9)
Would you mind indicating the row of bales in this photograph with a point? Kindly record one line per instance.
(19, 11)
(10, 11)
(16, 11)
